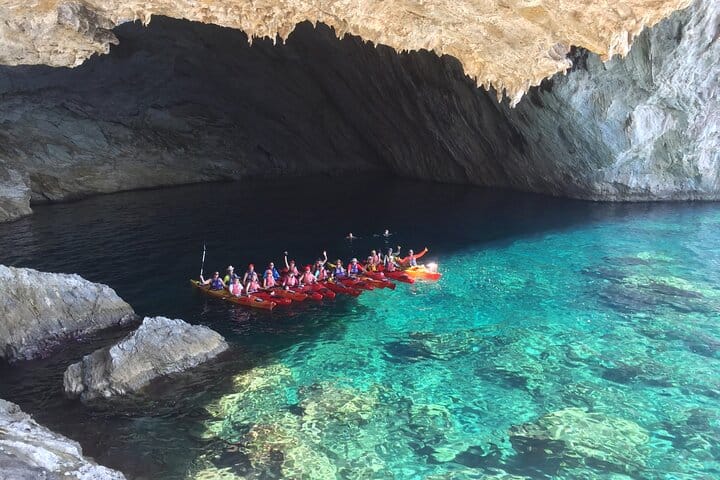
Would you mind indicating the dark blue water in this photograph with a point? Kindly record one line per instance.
(565, 340)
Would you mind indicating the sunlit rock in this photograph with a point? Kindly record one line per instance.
(39, 309)
(30, 451)
(160, 346)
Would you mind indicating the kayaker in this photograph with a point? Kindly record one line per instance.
(269, 279)
(275, 273)
(216, 283)
(320, 272)
(389, 259)
(289, 281)
(411, 259)
(374, 259)
(253, 285)
(307, 278)
(354, 268)
(291, 268)
(235, 287)
(230, 276)
(250, 276)
(338, 270)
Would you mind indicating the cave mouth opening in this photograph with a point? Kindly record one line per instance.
(180, 102)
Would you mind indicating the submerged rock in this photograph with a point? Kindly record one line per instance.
(38, 309)
(29, 451)
(574, 437)
(160, 346)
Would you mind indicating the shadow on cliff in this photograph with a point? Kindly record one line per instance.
(178, 101)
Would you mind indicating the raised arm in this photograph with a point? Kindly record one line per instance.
(325, 259)
(285, 255)
(418, 255)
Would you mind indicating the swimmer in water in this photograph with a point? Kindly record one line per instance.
(351, 237)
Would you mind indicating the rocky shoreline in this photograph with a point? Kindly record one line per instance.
(40, 310)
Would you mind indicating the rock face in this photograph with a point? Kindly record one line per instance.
(510, 44)
(38, 309)
(644, 127)
(179, 102)
(29, 451)
(160, 346)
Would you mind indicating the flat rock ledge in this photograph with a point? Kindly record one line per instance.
(160, 346)
(29, 451)
(38, 310)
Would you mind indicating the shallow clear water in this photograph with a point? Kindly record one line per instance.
(565, 340)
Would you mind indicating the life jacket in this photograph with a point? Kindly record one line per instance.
(216, 284)
(321, 273)
(270, 281)
(339, 271)
(251, 276)
(307, 278)
(354, 269)
(389, 265)
(413, 262)
(293, 270)
(230, 278)
(290, 281)
(275, 274)
(235, 289)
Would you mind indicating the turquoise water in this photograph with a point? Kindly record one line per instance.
(565, 340)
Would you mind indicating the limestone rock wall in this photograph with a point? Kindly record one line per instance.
(643, 127)
(38, 309)
(510, 44)
(160, 346)
(29, 451)
(180, 101)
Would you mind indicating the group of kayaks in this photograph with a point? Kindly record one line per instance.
(326, 289)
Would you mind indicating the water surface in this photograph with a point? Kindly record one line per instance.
(555, 320)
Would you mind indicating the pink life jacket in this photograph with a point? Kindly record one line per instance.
(235, 289)
(290, 281)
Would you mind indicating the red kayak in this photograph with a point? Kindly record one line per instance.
(358, 284)
(375, 275)
(322, 290)
(385, 283)
(311, 293)
(272, 298)
(292, 295)
(337, 288)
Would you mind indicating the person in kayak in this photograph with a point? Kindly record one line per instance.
(373, 261)
(236, 287)
(370, 265)
(354, 268)
(269, 279)
(216, 283)
(291, 268)
(250, 276)
(253, 285)
(289, 281)
(230, 276)
(275, 273)
(411, 259)
(389, 259)
(320, 272)
(307, 277)
(337, 270)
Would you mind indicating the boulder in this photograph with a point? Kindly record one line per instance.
(160, 346)
(29, 451)
(39, 309)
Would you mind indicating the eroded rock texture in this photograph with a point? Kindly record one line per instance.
(160, 346)
(29, 451)
(179, 102)
(39, 309)
(510, 44)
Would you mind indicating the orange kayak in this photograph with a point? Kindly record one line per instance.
(253, 302)
(421, 272)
